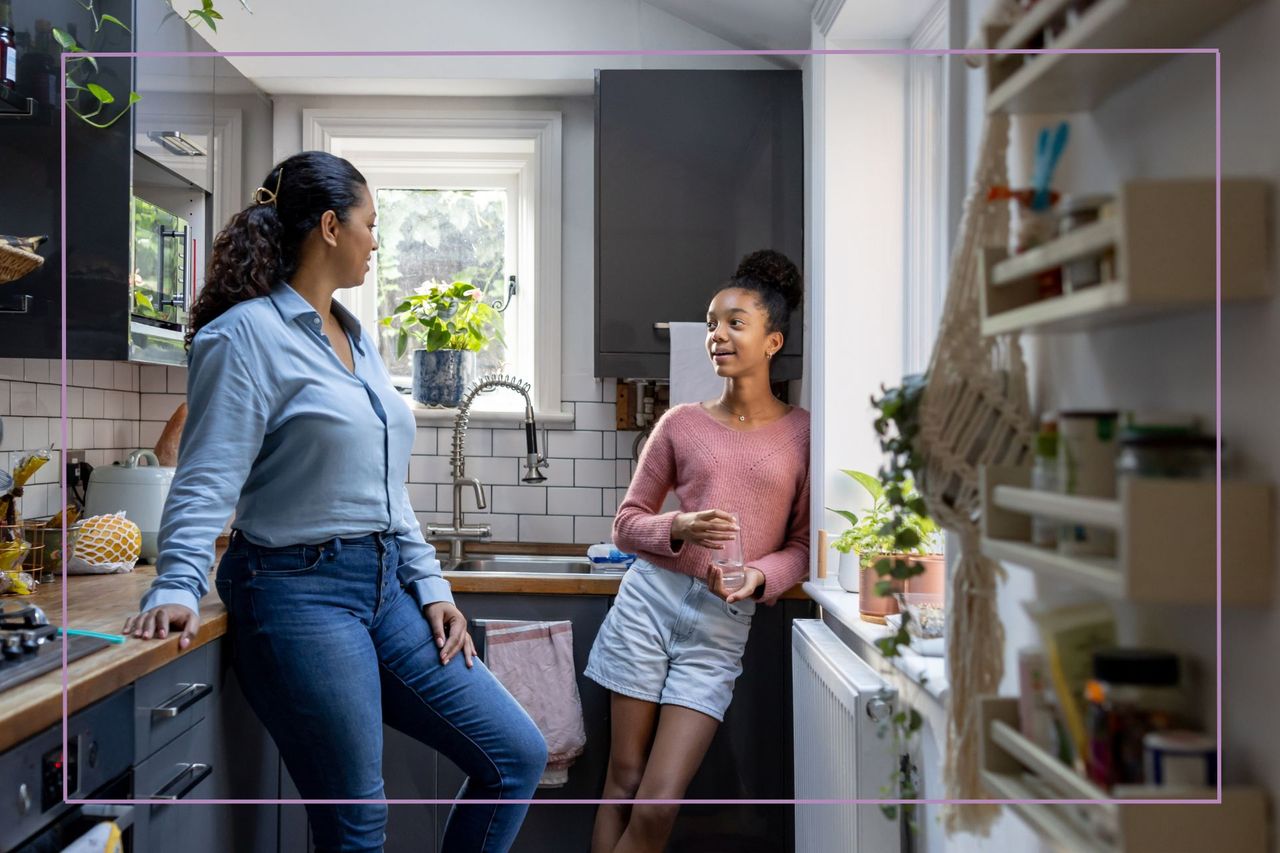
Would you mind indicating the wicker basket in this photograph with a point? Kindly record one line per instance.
(17, 257)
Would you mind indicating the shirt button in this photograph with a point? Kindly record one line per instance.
(315, 321)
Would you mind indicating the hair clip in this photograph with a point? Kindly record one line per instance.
(262, 195)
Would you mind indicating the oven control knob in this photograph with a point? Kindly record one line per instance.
(24, 800)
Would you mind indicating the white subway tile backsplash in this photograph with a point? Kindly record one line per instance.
(98, 457)
(494, 470)
(75, 402)
(103, 434)
(157, 407)
(444, 498)
(36, 369)
(422, 497)
(82, 434)
(177, 380)
(113, 405)
(510, 442)
(126, 378)
(520, 499)
(35, 433)
(428, 469)
(559, 472)
(11, 368)
(478, 442)
(12, 438)
(594, 472)
(546, 528)
(153, 379)
(93, 402)
(609, 390)
(502, 528)
(124, 434)
(577, 386)
(625, 440)
(588, 530)
(22, 398)
(132, 406)
(424, 441)
(104, 374)
(576, 444)
(4, 397)
(573, 501)
(601, 416)
(624, 469)
(149, 433)
(81, 372)
(49, 401)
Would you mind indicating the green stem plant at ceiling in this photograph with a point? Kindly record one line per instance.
(83, 67)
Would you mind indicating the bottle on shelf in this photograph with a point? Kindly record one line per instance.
(8, 49)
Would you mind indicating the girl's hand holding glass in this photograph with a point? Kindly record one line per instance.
(752, 580)
(710, 528)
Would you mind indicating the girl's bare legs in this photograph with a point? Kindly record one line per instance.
(633, 724)
(678, 749)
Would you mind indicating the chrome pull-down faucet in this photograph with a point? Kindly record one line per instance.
(458, 532)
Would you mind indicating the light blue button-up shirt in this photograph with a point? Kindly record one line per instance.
(302, 448)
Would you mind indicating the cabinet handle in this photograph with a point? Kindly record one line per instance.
(190, 776)
(181, 701)
(662, 327)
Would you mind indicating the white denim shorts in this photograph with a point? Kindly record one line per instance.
(670, 640)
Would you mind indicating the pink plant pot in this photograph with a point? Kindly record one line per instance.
(873, 607)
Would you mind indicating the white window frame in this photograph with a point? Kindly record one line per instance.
(539, 181)
(927, 226)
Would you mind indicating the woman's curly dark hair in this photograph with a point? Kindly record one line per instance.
(776, 283)
(260, 244)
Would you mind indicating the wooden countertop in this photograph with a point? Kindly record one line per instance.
(103, 602)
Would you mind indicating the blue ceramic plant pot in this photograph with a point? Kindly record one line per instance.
(440, 378)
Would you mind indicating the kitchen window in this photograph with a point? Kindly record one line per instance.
(470, 197)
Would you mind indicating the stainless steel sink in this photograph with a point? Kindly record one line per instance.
(522, 565)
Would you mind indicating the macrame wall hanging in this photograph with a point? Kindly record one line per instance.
(974, 412)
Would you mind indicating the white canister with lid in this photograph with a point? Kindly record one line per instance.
(1177, 759)
(1087, 449)
(139, 490)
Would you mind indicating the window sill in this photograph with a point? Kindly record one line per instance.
(427, 416)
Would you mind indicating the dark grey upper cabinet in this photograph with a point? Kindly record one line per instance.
(694, 170)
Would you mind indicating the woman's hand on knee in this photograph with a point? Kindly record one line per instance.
(449, 627)
(157, 621)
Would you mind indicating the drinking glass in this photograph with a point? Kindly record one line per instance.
(731, 562)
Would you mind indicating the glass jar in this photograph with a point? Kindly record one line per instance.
(1161, 453)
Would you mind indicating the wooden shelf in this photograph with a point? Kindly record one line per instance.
(1162, 236)
(1059, 83)
(1015, 768)
(1165, 537)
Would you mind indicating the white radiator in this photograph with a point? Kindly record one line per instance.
(838, 755)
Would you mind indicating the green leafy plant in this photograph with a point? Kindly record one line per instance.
(82, 69)
(903, 726)
(206, 12)
(872, 534)
(445, 316)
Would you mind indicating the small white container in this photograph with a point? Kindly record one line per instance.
(1177, 759)
(1087, 449)
(849, 572)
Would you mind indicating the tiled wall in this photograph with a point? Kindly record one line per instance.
(102, 418)
(114, 407)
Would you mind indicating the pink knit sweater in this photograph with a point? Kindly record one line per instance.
(761, 474)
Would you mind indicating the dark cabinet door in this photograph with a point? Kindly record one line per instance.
(694, 170)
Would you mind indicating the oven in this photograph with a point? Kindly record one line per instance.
(34, 818)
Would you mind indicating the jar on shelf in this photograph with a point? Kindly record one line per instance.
(1076, 212)
(1133, 692)
(1087, 466)
(1153, 453)
(1044, 477)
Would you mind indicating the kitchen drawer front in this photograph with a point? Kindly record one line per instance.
(182, 770)
(171, 700)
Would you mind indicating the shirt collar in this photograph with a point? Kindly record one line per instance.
(293, 307)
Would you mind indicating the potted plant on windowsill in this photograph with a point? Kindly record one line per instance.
(451, 323)
(871, 538)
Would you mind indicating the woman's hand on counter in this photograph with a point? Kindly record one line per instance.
(708, 528)
(715, 583)
(157, 622)
(450, 629)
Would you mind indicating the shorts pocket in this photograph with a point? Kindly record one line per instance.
(737, 613)
(644, 568)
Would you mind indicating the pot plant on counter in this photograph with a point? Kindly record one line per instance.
(879, 559)
(451, 323)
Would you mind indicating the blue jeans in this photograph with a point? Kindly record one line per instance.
(326, 644)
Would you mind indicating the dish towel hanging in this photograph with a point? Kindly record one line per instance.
(534, 661)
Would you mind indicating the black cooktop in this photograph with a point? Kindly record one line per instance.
(28, 651)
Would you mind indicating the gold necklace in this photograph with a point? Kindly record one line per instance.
(723, 405)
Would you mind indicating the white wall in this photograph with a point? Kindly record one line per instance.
(1162, 126)
(861, 146)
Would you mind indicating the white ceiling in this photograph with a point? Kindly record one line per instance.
(749, 24)
(879, 20)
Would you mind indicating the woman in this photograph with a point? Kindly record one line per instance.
(338, 612)
(671, 648)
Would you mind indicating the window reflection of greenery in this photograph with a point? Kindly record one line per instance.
(430, 235)
(148, 220)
